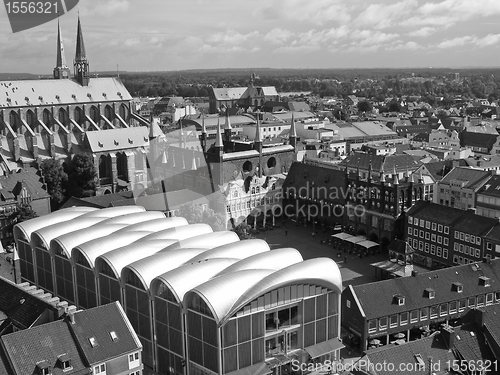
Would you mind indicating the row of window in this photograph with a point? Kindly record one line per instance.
(488, 200)
(433, 249)
(467, 250)
(457, 259)
(428, 236)
(429, 225)
(251, 204)
(467, 237)
(464, 195)
(432, 312)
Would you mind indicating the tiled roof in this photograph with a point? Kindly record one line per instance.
(432, 346)
(373, 128)
(98, 322)
(435, 212)
(474, 178)
(45, 92)
(324, 183)
(99, 201)
(472, 139)
(439, 169)
(30, 179)
(470, 343)
(474, 224)
(46, 342)
(386, 163)
(117, 139)
(377, 299)
(491, 317)
(229, 93)
(21, 307)
(485, 161)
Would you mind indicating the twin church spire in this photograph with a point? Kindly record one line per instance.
(80, 63)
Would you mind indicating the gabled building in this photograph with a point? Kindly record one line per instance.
(488, 198)
(410, 305)
(459, 187)
(94, 341)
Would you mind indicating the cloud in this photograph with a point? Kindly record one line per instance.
(455, 42)
(231, 36)
(293, 49)
(278, 36)
(408, 46)
(106, 8)
(488, 40)
(422, 32)
(382, 16)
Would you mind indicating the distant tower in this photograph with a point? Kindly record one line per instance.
(228, 128)
(61, 71)
(293, 133)
(81, 65)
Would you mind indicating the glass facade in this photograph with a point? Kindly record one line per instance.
(109, 285)
(168, 330)
(26, 261)
(85, 282)
(138, 310)
(64, 276)
(44, 269)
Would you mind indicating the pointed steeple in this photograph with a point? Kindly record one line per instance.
(257, 140)
(292, 137)
(395, 177)
(228, 128)
(382, 176)
(61, 70)
(218, 141)
(81, 64)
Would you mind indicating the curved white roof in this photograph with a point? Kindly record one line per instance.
(47, 234)
(318, 271)
(118, 258)
(221, 292)
(186, 277)
(130, 218)
(272, 260)
(159, 223)
(148, 268)
(115, 211)
(93, 248)
(238, 250)
(180, 233)
(206, 241)
(29, 226)
(68, 241)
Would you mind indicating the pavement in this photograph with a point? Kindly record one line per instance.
(354, 270)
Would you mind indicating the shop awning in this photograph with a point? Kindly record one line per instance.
(367, 244)
(324, 348)
(354, 239)
(257, 369)
(342, 235)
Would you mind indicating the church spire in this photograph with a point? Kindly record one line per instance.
(228, 128)
(81, 63)
(292, 137)
(61, 70)
(218, 142)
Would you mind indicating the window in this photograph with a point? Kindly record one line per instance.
(420, 245)
(93, 342)
(422, 223)
(434, 225)
(403, 317)
(466, 238)
(445, 241)
(445, 253)
(439, 250)
(480, 300)
(433, 238)
(348, 304)
(489, 246)
(133, 360)
(440, 228)
(462, 236)
(472, 239)
(446, 230)
(372, 326)
(453, 307)
(410, 219)
(434, 312)
(427, 249)
(394, 321)
(414, 315)
(100, 369)
(382, 323)
(471, 302)
(489, 298)
(497, 296)
(443, 309)
(427, 236)
(457, 236)
(113, 335)
(427, 225)
(440, 239)
(424, 313)
(433, 249)
(421, 234)
(410, 231)
(478, 240)
(462, 304)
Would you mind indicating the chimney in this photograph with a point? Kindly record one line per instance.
(448, 334)
(70, 311)
(414, 273)
(472, 209)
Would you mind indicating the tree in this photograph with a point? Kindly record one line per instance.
(81, 176)
(364, 106)
(55, 178)
(244, 231)
(24, 212)
(195, 213)
(394, 107)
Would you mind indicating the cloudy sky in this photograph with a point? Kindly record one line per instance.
(154, 35)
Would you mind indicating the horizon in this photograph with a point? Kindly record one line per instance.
(231, 34)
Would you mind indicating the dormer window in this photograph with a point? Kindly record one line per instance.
(430, 293)
(113, 335)
(43, 368)
(458, 287)
(64, 362)
(484, 281)
(399, 299)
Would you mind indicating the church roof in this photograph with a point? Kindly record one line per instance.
(45, 92)
(118, 139)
